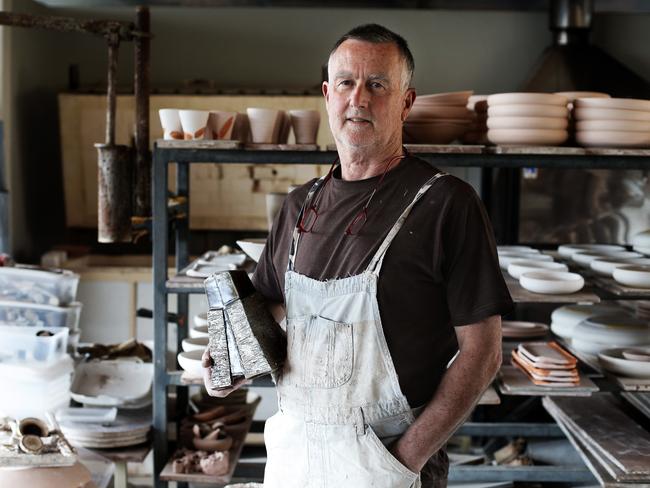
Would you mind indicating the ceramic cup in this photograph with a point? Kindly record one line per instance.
(171, 123)
(274, 203)
(265, 124)
(194, 123)
(221, 124)
(285, 128)
(305, 125)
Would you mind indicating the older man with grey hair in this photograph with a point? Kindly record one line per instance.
(385, 268)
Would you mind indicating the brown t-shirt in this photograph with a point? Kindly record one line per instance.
(440, 271)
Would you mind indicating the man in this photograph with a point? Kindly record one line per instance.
(385, 268)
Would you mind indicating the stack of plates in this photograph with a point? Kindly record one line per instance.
(564, 319)
(128, 429)
(626, 362)
(546, 364)
(438, 119)
(527, 119)
(600, 332)
(612, 122)
(522, 330)
(477, 131)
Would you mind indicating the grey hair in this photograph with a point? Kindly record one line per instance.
(378, 34)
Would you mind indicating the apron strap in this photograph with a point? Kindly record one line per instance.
(378, 259)
(293, 249)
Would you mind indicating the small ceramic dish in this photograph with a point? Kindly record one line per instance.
(635, 276)
(636, 354)
(607, 266)
(190, 361)
(505, 258)
(199, 331)
(615, 330)
(195, 343)
(551, 282)
(527, 98)
(613, 361)
(520, 266)
(585, 258)
(516, 329)
(569, 249)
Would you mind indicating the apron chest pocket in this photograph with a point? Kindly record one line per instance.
(320, 352)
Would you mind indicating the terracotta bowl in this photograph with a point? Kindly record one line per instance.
(528, 110)
(265, 124)
(194, 123)
(603, 138)
(527, 98)
(580, 113)
(527, 123)
(613, 103)
(540, 137)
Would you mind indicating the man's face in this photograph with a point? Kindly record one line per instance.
(366, 96)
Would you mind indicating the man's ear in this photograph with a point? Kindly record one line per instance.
(409, 100)
(325, 87)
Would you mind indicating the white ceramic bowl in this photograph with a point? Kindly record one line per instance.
(520, 266)
(199, 331)
(527, 98)
(190, 361)
(517, 249)
(201, 319)
(585, 258)
(252, 247)
(642, 249)
(613, 361)
(562, 330)
(615, 330)
(528, 110)
(636, 354)
(195, 343)
(642, 239)
(607, 266)
(551, 282)
(588, 347)
(635, 276)
(502, 122)
(569, 249)
(505, 258)
(572, 315)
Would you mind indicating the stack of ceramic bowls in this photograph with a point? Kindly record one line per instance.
(515, 329)
(565, 318)
(477, 130)
(612, 122)
(641, 242)
(438, 119)
(572, 96)
(269, 126)
(539, 119)
(601, 332)
(628, 362)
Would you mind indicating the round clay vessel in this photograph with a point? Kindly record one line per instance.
(527, 98)
(581, 113)
(615, 125)
(528, 110)
(497, 122)
(602, 138)
(543, 137)
(613, 103)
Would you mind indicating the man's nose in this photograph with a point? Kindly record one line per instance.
(360, 96)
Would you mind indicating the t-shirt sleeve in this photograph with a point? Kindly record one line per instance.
(475, 286)
(265, 279)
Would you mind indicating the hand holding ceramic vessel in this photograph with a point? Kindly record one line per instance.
(206, 363)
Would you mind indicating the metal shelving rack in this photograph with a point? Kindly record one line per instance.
(184, 153)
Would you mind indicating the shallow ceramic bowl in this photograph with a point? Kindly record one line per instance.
(642, 239)
(613, 361)
(615, 125)
(527, 98)
(252, 247)
(607, 266)
(195, 343)
(585, 258)
(501, 122)
(615, 330)
(541, 137)
(609, 114)
(521, 249)
(505, 258)
(199, 331)
(551, 282)
(613, 103)
(569, 249)
(447, 98)
(439, 112)
(611, 138)
(190, 361)
(528, 110)
(572, 315)
(572, 95)
(636, 354)
(588, 347)
(521, 266)
(635, 276)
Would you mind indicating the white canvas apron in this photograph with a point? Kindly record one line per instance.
(339, 397)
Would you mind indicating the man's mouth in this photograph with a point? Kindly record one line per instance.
(357, 120)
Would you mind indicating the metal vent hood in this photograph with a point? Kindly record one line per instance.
(573, 63)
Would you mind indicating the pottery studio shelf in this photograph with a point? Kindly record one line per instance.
(185, 153)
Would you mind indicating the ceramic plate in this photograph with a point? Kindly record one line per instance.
(518, 329)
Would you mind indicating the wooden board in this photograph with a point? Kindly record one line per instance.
(521, 295)
(513, 381)
(239, 438)
(602, 425)
(610, 285)
(199, 144)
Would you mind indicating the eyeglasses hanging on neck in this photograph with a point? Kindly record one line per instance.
(310, 216)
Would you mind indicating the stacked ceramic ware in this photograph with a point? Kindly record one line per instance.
(626, 362)
(565, 318)
(537, 272)
(197, 124)
(515, 329)
(612, 122)
(477, 130)
(438, 119)
(546, 364)
(597, 333)
(539, 119)
(105, 428)
(571, 97)
(40, 320)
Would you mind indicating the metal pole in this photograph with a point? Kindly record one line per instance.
(142, 90)
(113, 48)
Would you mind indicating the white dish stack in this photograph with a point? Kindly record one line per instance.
(38, 321)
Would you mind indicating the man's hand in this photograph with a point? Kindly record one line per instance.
(206, 362)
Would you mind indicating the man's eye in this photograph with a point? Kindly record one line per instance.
(345, 83)
(376, 85)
